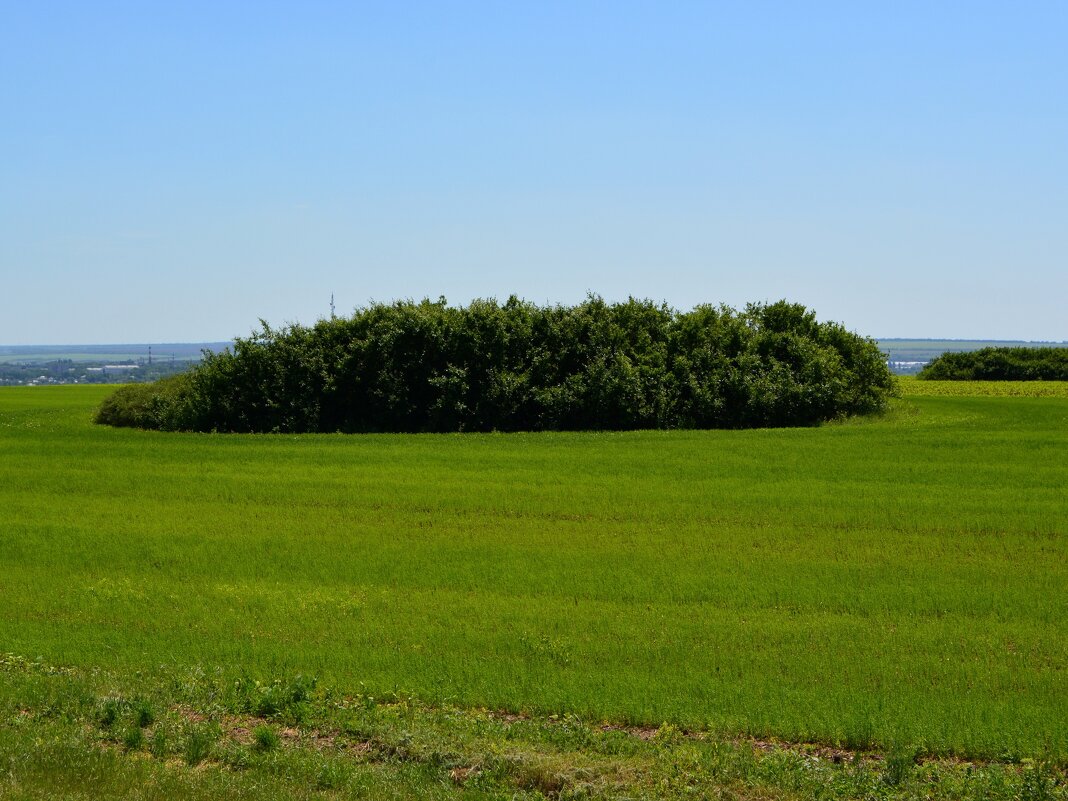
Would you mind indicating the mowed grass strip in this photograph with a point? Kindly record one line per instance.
(889, 581)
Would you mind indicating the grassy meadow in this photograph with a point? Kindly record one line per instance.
(874, 584)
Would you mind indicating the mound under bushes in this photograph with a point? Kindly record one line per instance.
(1000, 364)
(412, 367)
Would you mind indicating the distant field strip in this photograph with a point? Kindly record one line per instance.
(896, 580)
(913, 387)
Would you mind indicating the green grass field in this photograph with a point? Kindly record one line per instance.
(866, 584)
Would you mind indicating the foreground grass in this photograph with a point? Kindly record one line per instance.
(186, 734)
(897, 582)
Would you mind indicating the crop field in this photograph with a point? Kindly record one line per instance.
(913, 387)
(862, 585)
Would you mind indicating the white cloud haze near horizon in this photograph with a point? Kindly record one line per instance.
(175, 174)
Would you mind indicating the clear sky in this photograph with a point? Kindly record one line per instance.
(175, 171)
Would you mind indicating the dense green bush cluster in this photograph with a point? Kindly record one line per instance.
(156, 404)
(430, 367)
(1000, 364)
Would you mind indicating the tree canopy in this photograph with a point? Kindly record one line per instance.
(1000, 364)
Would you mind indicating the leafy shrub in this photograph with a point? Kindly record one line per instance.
(1000, 364)
(420, 367)
(278, 699)
(150, 406)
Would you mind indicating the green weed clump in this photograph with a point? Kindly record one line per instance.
(198, 743)
(143, 714)
(159, 744)
(109, 713)
(277, 699)
(264, 738)
(133, 738)
(900, 763)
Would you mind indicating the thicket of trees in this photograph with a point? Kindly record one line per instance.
(1000, 364)
(415, 367)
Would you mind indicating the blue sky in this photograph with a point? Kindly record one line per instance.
(174, 173)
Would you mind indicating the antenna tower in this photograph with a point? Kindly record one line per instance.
(332, 315)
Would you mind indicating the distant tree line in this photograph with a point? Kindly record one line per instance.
(1000, 364)
(430, 367)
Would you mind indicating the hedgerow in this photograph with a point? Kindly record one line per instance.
(431, 367)
(1000, 364)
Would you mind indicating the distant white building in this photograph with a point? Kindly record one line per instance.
(113, 367)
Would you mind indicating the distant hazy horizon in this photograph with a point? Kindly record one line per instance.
(9, 350)
(176, 172)
(225, 341)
